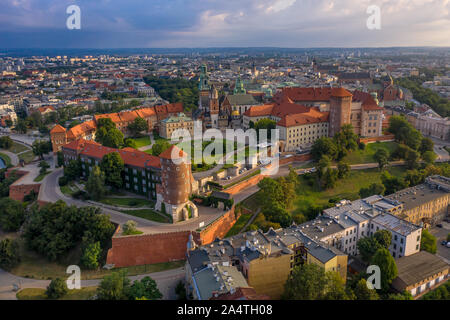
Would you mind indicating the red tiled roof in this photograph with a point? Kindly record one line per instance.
(173, 153)
(58, 129)
(298, 94)
(312, 116)
(340, 93)
(79, 144)
(81, 129)
(366, 99)
(129, 156)
(259, 111)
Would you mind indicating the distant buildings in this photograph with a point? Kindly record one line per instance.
(173, 123)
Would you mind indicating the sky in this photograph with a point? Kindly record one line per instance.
(223, 23)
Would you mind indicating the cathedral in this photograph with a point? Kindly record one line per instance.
(209, 111)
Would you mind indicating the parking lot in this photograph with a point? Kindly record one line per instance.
(441, 235)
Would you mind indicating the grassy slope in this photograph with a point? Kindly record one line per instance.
(39, 294)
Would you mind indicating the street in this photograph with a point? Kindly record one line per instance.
(441, 235)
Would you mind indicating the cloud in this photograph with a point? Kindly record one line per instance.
(206, 23)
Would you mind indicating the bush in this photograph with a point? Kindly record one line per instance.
(9, 254)
(81, 195)
(362, 146)
(62, 181)
(91, 255)
(56, 289)
(129, 227)
(12, 214)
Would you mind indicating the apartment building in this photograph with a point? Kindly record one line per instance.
(256, 255)
(343, 225)
(425, 204)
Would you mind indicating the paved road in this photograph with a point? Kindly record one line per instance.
(441, 234)
(166, 281)
(50, 192)
(14, 158)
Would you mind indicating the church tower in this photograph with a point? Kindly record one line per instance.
(203, 88)
(239, 86)
(214, 106)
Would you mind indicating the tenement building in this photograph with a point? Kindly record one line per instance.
(255, 255)
(425, 204)
(156, 178)
(349, 221)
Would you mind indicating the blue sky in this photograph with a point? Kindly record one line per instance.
(223, 23)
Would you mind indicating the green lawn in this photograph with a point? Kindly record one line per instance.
(18, 148)
(27, 156)
(6, 159)
(39, 294)
(148, 214)
(367, 155)
(142, 141)
(127, 202)
(240, 223)
(69, 189)
(308, 196)
(41, 176)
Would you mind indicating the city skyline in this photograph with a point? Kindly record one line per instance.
(201, 24)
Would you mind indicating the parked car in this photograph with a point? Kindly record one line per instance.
(448, 244)
(444, 243)
(439, 225)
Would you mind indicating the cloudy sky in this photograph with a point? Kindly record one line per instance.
(223, 23)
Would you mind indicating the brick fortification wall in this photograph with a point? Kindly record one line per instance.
(389, 137)
(164, 247)
(18, 192)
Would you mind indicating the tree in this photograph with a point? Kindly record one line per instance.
(383, 237)
(307, 282)
(383, 259)
(323, 165)
(91, 255)
(56, 228)
(180, 290)
(41, 147)
(271, 193)
(382, 157)
(428, 242)
(426, 145)
(343, 169)
(160, 146)
(137, 126)
(12, 215)
(374, 188)
(44, 166)
(73, 170)
(429, 157)
(288, 188)
(362, 292)
(311, 282)
(60, 158)
(114, 287)
(57, 289)
(6, 142)
(9, 254)
(405, 295)
(146, 288)
(129, 227)
(107, 134)
(21, 126)
(112, 165)
(265, 124)
(367, 247)
(412, 158)
(95, 185)
(329, 179)
(392, 183)
(130, 143)
(323, 146)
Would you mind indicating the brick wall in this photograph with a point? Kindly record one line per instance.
(164, 247)
(245, 184)
(18, 192)
(389, 137)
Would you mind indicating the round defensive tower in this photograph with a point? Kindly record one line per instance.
(340, 109)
